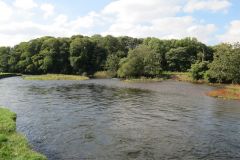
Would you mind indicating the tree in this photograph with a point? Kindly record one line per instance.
(133, 67)
(127, 43)
(141, 61)
(80, 52)
(63, 56)
(112, 64)
(160, 50)
(199, 69)
(179, 60)
(226, 64)
(111, 44)
(4, 58)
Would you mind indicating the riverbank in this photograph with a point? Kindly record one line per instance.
(12, 144)
(143, 80)
(177, 76)
(229, 92)
(6, 75)
(103, 75)
(54, 77)
(181, 76)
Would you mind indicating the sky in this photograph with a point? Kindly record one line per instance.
(210, 21)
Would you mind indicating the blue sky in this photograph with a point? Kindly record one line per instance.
(211, 21)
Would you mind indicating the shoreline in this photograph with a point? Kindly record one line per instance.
(54, 77)
(14, 145)
(231, 92)
(7, 75)
(227, 92)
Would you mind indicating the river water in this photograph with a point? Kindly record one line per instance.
(113, 120)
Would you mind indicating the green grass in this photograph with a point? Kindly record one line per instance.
(181, 76)
(14, 146)
(7, 121)
(55, 77)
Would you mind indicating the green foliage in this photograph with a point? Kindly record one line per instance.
(141, 61)
(180, 54)
(123, 56)
(198, 70)
(226, 64)
(160, 49)
(3, 138)
(112, 63)
(80, 50)
(86, 56)
(4, 54)
(178, 59)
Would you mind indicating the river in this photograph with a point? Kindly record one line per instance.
(111, 119)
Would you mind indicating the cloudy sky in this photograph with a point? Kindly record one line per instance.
(211, 21)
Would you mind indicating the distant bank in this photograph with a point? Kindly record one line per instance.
(6, 75)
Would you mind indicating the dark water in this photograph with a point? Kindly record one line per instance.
(109, 119)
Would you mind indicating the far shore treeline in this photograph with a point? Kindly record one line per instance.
(124, 57)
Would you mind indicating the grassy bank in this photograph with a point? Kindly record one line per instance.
(143, 80)
(14, 146)
(6, 75)
(55, 77)
(229, 92)
(178, 76)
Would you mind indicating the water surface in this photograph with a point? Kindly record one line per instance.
(110, 119)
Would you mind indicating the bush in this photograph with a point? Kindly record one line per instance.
(198, 70)
(141, 61)
(225, 67)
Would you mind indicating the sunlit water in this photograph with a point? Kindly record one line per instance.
(110, 119)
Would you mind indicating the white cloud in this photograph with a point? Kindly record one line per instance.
(61, 20)
(135, 11)
(166, 28)
(87, 21)
(25, 4)
(15, 40)
(48, 10)
(14, 32)
(158, 18)
(212, 5)
(5, 12)
(232, 34)
(137, 18)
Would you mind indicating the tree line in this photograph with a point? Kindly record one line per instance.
(123, 57)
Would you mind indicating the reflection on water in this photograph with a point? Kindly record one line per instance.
(109, 119)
